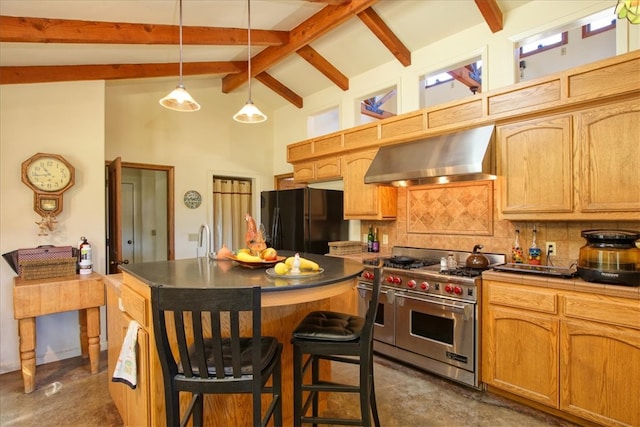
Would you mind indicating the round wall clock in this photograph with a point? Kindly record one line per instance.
(192, 199)
(49, 176)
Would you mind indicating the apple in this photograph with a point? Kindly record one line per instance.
(269, 254)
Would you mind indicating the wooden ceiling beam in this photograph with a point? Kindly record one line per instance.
(42, 30)
(319, 24)
(60, 73)
(325, 67)
(378, 27)
(384, 115)
(491, 13)
(462, 75)
(273, 84)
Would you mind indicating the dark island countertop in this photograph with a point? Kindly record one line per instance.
(205, 273)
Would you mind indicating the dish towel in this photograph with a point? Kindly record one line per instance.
(126, 368)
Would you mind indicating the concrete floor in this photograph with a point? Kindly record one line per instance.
(68, 395)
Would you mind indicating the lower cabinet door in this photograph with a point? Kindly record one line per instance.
(132, 404)
(521, 354)
(600, 373)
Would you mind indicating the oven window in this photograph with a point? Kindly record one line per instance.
(432, 327)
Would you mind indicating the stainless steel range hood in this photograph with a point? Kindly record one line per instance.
(460, 156)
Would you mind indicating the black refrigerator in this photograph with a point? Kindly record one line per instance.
(303, 219)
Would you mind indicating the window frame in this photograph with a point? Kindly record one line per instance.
(587, 32)
(564, 40)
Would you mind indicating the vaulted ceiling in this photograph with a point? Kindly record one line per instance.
(297, 46)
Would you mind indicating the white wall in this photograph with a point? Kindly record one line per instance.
(57, 118)
(199, 145)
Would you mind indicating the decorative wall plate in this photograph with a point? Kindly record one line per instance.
(192, 199)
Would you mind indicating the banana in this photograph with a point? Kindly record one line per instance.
(305, 264)
(243, 256)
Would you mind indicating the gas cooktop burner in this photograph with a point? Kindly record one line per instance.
(463, 272)
(403, 263)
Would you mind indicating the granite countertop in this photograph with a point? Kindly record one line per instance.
(204, 273)
(572, 284)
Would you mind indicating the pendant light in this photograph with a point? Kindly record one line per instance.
(249, 113)
(179, 99)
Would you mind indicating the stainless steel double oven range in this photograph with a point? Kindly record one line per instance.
(428, 317)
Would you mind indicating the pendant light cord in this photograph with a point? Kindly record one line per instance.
(249, 45)
(181, 84)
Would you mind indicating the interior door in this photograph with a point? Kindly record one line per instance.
(115, 215)
(156, 201)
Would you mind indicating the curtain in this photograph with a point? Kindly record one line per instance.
(231, 201)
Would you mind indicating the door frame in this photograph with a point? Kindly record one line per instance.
(170, 170)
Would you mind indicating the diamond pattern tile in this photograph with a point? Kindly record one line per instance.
(465, 208)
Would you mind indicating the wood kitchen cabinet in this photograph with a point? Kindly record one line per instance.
(366, 201)
(577, 166)
(520, 347)
(318, 170)
(577, 353)
(600, 365)
(123, 305)
(609, 143)
(535, 158)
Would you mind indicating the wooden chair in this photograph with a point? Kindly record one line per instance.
(210, 358)
(337, 337)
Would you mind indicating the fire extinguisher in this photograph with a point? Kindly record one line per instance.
(85, 265)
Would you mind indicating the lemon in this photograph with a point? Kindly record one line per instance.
(281, 268)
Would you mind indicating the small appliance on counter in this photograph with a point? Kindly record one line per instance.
(610, 256)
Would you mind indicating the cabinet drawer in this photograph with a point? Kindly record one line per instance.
(135, 305)
(521, 297)
(610, 310)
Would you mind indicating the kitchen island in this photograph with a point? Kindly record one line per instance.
(285, 302)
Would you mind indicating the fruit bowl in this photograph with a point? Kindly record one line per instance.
(257, 264)
(303, 274)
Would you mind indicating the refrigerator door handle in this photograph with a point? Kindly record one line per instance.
(275, 232)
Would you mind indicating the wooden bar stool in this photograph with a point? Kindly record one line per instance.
(337, 337)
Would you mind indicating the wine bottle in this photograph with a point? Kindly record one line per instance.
(535, 253)
(370, 239)
(375, 247)
(517, 255)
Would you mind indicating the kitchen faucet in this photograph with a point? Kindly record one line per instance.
(204, 239)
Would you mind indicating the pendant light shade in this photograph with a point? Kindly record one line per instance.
(179, 99)
(249, 113)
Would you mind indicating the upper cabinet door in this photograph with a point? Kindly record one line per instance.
(366, 201)
(609, 140)
(535, 159)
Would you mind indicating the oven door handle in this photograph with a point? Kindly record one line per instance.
(466, 310)
(389, 292)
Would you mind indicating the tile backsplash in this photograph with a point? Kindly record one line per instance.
(566, 234)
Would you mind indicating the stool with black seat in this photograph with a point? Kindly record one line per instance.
(336, 337)
(213, 353)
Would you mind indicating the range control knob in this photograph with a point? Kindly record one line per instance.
(411, 283)
(367, 275)
(390, 279)
(425, 286)
(397, 280)
(448, 289)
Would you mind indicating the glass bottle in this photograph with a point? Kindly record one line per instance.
(370, 239)
(452, 264)
(517, 256)
(535, 253)
(375, 246)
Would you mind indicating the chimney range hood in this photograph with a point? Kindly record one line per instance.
(459, 156)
